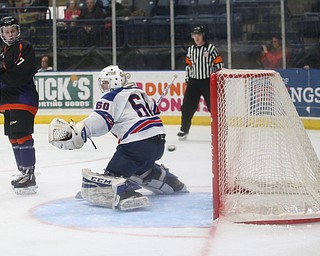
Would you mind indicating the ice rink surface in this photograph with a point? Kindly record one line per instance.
(53, 223)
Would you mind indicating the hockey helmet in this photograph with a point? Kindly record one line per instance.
(111, 78)
(9, 22)
(198, 30)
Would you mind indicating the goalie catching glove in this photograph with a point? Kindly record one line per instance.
(64, 135)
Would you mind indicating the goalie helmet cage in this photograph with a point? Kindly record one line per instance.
(265, 169)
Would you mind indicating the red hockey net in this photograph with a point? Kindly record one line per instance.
(265, 169)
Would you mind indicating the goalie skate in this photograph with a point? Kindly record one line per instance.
(160, 181)
(130, 200)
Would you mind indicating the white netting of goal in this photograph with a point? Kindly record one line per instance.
(268, 169)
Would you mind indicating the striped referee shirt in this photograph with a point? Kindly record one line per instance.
(201, 61)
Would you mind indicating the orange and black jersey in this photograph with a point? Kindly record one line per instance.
(17, 70)
(201, 61)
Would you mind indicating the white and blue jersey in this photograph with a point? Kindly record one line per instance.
(129, 113)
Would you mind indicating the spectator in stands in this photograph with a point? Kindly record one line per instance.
(67, 28)
(311, 59)
(272, 55)
(91, 30)
(45, 65)
(72, 12)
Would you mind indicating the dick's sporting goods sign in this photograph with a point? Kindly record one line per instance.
(65, 91)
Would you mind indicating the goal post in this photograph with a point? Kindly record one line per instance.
(264, 167)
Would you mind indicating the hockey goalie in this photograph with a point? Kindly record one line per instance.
(133, 117)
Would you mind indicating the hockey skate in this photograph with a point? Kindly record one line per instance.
(160, 181)
(111, 192)
(129, 200)
(182, 135)
(25, 184)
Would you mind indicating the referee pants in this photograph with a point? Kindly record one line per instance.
(195, 89)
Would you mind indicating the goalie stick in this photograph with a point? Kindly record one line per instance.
(167, 89)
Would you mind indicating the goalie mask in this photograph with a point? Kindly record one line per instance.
(9, 30)
(111, 78)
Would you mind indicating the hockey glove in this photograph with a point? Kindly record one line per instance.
(64, 135)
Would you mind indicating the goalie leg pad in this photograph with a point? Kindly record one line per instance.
(100, 190)
(159, 180)
(111, 192)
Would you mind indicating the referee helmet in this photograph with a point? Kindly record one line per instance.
(198, 30)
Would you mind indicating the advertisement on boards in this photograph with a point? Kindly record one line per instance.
(65, 91)
(304, 89)
(154, 84)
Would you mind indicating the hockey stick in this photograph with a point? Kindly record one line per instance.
(167, 89)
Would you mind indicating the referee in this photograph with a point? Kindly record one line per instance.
(201, 60)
